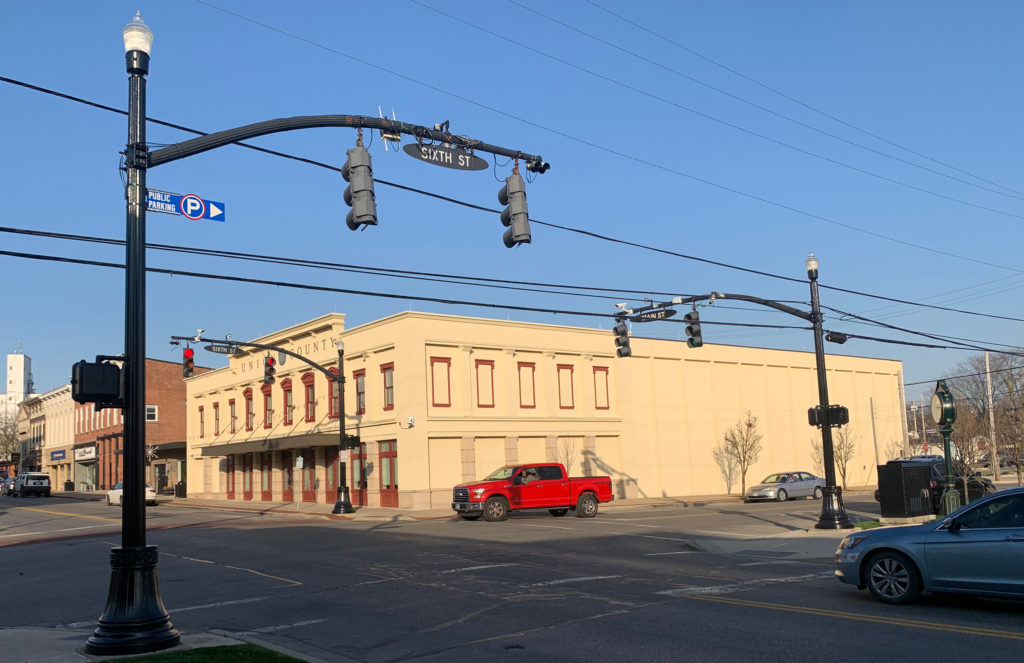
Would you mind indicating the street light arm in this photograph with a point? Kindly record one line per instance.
(212, 141)
(260, 346)
(806, 315)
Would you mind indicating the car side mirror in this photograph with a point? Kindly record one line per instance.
(952, 525)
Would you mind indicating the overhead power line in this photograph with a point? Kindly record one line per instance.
(798, 101)
(565, 228)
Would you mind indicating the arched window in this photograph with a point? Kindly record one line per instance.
(310, 395)
(289, 401)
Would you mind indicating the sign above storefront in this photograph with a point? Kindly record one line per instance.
(58, 455)
(85, 453)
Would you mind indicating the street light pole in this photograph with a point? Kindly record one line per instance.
(343, 505)
(833, 512)
(134, 620)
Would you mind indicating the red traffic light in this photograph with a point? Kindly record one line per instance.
(269, 361)
(188, 353)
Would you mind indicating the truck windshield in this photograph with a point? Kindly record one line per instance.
(501, 473)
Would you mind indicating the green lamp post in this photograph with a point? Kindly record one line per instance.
(944, 414)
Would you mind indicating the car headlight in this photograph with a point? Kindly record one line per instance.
(478, 492)
(852, 541)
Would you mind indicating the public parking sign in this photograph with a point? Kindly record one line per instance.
(188, 205)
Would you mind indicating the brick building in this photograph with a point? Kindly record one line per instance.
(99, 435)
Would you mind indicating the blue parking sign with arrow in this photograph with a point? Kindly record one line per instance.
(188, 205)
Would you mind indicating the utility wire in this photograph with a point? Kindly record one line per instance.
(797, 101)
(712, 118)
(965, 375)
(606, 149)
(753, 104)
(537, 221)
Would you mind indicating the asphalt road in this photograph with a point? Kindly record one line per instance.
(650, 584)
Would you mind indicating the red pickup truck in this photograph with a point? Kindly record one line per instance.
(530, 486)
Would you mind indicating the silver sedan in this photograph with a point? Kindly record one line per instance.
(976, 550)
(786, 485)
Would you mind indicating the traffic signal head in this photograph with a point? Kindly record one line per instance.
(358, 172)
(268, 369)
(188, 362)
(515, 215)
(621, 332)
(693, 329)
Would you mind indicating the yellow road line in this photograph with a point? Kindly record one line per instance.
(891, 621)
(72, 515)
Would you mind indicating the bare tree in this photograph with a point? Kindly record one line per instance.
(8, 436)
(893, 450)
(726, 465)
(817, 457)
(843, 451)
(567, 454)
(742, 443)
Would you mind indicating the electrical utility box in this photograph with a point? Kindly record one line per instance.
(904, 490)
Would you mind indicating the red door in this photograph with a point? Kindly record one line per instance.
(247, 477)
(331, 467)
(357, 488)
(308, 475)
(389, 473)
(266, 472)
(287, 477)
(229, 470)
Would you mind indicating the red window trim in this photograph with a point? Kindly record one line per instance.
(250, 411)
(361, 373)
(384, 368)
(478, 363)
(607, 396)
(572, 393)
(307, 382)
(288, 416)
(268, 405)
(231, 413)
(332, 403)
(447, 361)
(202, 424)
(533, 382)
(216, 419)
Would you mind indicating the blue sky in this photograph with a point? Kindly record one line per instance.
(884, 137)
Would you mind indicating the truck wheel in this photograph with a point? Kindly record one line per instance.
(495, 509)
(586, 507)
(558, 513)
(473, 517)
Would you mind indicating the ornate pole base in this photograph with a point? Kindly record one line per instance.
(833, 512)
(343, 505)
(134, 620)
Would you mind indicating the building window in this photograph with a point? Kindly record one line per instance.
(334, 406)
(527, 394)
(232, 415)
(359, 377)
(250, 412)
(289, 402)
(151, 413)
(440, 381)
(308, 383)
(484, 383)
(388, 371)
(268, 405)
(216, 419)
(202, 422)
(565, 391)
(601, 401)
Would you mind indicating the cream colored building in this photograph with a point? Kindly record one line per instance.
(437, 400)
(46, 434)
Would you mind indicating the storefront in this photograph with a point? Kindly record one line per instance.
(86, 470)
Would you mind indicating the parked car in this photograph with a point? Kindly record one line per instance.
(114, 495)
(975, 550)
(786, 485)
(977, 485)
(32, 483)
(7, 486)
(533, 486)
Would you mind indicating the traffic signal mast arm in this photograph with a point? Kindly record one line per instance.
(806, 315)
(258, 346)
(187, 148)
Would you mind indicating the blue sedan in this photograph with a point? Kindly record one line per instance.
(977, 549)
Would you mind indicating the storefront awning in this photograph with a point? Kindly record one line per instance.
(167, 446)
(273, 444)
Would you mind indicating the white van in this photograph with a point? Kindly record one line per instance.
(32, 483)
